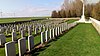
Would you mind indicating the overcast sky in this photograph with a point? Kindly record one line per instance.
(30, 7)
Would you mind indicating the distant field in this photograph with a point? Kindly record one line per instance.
(8, 20)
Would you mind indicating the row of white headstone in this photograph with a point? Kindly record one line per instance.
(19, 27)
(45, 37)
(10, 48)
(96, 24)
(13, 39)
(14, 34)
(55, 32)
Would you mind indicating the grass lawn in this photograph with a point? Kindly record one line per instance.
(83, 40)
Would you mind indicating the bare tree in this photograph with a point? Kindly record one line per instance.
(54, 14)
(73, 8)
(59, 14)
(96, 11)
(62, 13)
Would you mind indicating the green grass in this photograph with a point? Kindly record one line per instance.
(37, 39)
(83, 40)
(2, 51)
(71, 21)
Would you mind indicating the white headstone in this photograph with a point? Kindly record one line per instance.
(66, 25)
(53, 33)
(44, 28)
(29, 32)
(40, 28)
(42, 37)
(30, 42)
(14, 36)
(36, 30)
(2, 39)
(10, 49)
(56, 32)
(60, 30)
(1, 30)
(22, 46)
(7, 31)
(46, 35)
(33, 28)
(22, 33)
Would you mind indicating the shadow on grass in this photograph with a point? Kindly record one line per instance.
(36, 51)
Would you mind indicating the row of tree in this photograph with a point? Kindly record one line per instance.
(96, 11)
(74, 9)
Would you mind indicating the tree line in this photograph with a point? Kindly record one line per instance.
(74, 9)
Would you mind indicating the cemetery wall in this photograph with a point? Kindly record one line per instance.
(96, 24)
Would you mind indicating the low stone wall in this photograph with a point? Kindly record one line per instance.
(96, 24)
